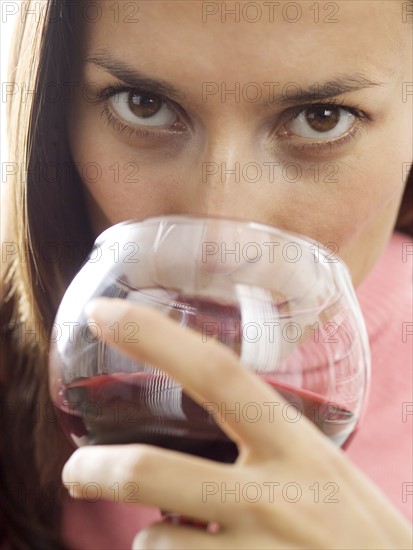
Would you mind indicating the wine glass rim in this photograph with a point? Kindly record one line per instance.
(248, 223)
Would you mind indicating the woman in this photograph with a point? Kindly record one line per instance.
(132, 109)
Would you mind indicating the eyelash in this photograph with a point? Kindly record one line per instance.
(323, 145)
(120, 126)
(312, 145)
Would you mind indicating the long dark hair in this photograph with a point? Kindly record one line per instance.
(47, 238)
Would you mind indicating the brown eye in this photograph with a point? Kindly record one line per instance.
(144, 105)
(321, 121)
(142, 109)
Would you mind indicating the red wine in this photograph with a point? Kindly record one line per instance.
(153, 409)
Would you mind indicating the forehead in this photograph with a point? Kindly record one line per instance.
(248, 41)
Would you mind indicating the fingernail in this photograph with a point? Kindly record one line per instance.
(71, 486)
(75, 462)
(67, 470)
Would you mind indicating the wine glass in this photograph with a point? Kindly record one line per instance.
(281, 301)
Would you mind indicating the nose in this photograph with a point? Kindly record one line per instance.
(229, 181)
(230, 177)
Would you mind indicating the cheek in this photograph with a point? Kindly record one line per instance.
(339, 211)
(362, 220)
(120, 182)
(367, 192)
(124, 191)
(354, 216)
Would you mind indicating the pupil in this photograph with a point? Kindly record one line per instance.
(322, 119)
(144, 105)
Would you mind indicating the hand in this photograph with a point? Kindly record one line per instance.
(290, 487)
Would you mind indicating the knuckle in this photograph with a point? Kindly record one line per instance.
(152, 537)
(137, 463)
(143, 540)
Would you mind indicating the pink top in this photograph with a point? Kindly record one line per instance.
(383, 446)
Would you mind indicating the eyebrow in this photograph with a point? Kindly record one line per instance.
(344, 83)
(133, 78)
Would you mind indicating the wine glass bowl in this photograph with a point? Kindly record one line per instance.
(280, 301)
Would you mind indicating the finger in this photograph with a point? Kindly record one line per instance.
(210, 373)
(161, 536)
(142, 474)
(167, 537)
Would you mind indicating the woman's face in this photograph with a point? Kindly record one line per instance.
(295, 114)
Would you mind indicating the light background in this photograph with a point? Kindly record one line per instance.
(7, 24)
